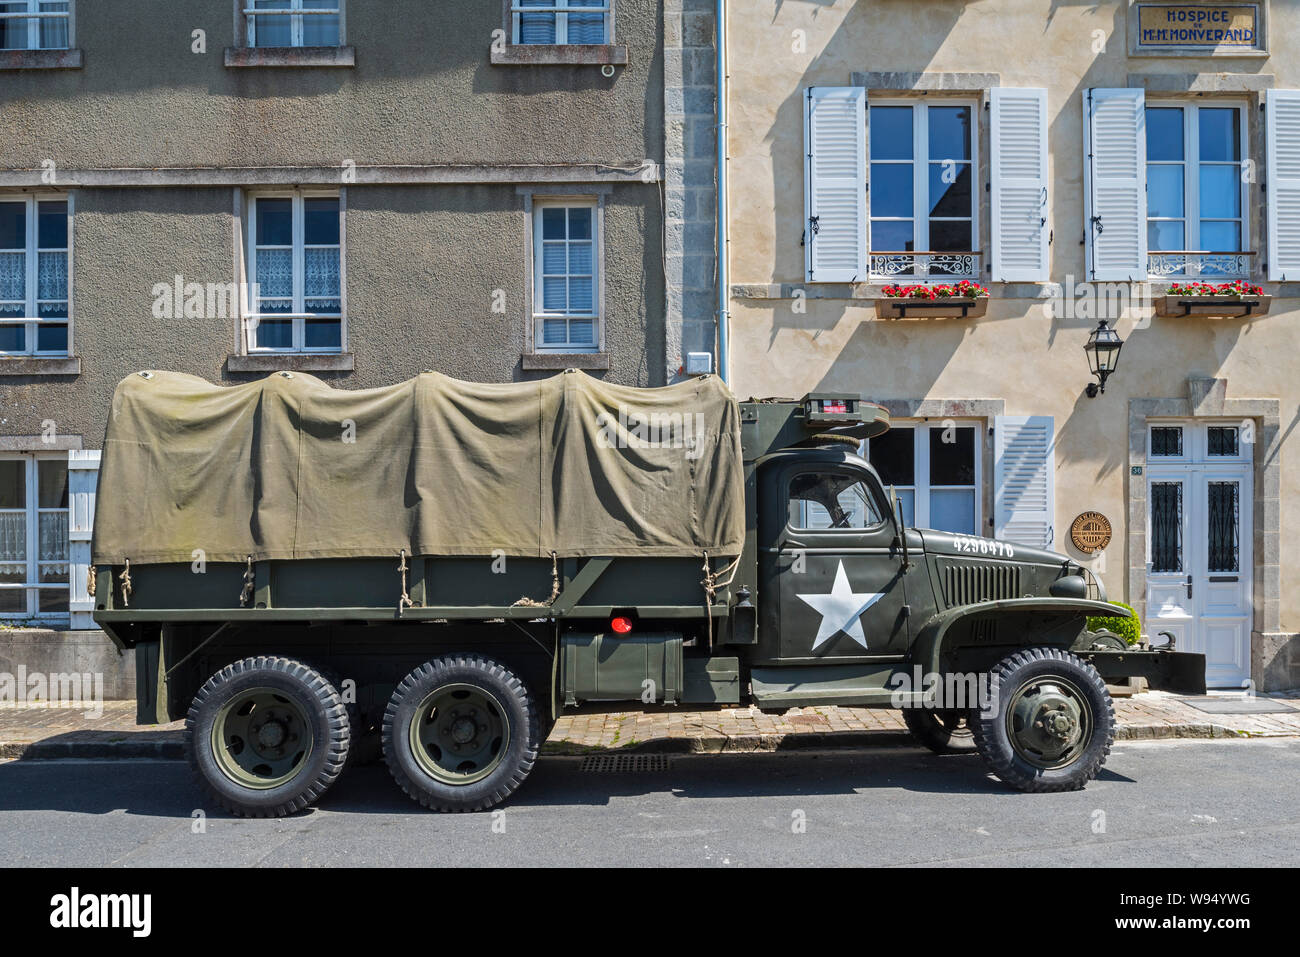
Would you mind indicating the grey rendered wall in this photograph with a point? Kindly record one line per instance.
(422, 265)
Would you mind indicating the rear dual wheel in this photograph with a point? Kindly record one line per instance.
(461, 733)
(267, 736)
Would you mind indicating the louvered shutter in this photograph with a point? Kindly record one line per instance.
(835, 184)
(1282, 117)
(1115, 185)
(1024, 477)
(83, 480)
(1018, 120)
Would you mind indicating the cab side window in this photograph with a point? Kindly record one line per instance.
(821, 500)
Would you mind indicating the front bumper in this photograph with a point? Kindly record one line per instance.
(1180, 672)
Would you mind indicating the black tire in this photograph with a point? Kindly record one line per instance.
(1069, 698)
(943, 731)
(322, 714)
(497, 770)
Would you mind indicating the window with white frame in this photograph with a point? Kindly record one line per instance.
(1196, 191)
(33, 535)
(35, 24)
(935, 469)
(920, 190)
(566, 296)
(561, 21)
(295, 261)
(34, 285)
(294, 23)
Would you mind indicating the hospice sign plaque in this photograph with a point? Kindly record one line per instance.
(1224, 28)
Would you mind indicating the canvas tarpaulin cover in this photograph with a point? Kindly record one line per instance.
(288, 467)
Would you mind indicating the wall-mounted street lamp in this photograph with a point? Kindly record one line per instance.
(1103, 356)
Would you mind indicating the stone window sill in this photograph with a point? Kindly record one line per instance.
(40, 365)
(291, 361)
(530, 54)
(290, 56)
(40, 60)
(565, 360)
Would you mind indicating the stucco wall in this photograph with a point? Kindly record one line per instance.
(423, 91)
(1017, 352)
(422, 266)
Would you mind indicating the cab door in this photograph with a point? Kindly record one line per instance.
(830, 560)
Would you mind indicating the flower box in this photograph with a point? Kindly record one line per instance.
(963, 300)
(1229, 300)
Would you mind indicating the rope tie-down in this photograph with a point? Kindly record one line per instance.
(712, 585)
(527, 602)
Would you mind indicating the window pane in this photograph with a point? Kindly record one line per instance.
(1164, 133)
(321, 30)
(13, 225)
(586, 27)
(13, 548)
(52, 337)
(554, 298)
(891, 236)
(950, 236)
(52, 483)
(536, 27)
(275, 334)
(13, 483)
(582, 332)
(580, 259)
(275, 222)
(580, 295)
(553, 258)
(53, 601)
(52, 276)
(1220, 192)
(1221, 237)
(952, 456)
(891, 190)
(13, 338)
(891, 132)
(949, 132)
(13, 279)
(322, 278)
(829, 500)
(950, 189)
(53, 530)
(12, 600)
(323, 334)
(275, 273)
(1165, 191)
(1223, 525)
(1220, 135)
(1166, 526)
(54, 31)
(272, 31)
(553, 222)
(321, 220)
(580, 223)
(554, 332)
(52, 224)
(1165, 236)
(893, 458)
(953, 510)
(1166, 440)
(13, 33)
(1222, 440)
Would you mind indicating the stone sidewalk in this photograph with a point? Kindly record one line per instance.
(35, 732)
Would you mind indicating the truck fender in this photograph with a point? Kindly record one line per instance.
(927, 651)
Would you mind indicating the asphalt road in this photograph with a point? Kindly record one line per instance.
(1181, 803)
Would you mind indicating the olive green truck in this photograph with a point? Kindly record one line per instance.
(438, 570)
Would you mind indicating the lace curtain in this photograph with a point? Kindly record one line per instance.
(13, 546)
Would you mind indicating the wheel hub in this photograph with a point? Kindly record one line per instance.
(261, 738)
(459, 734)
(1048, 723)
(271, 734)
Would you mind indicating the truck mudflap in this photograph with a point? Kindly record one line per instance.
(1180, 672)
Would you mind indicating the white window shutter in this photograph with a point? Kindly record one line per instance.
(1115, 184)
(1018, 120)
(1024, 479)
(83, 479)
(835, 184)
(1282, 132)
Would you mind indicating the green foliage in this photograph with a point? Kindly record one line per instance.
(1130, 629)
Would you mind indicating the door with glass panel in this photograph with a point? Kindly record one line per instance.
(1199, 558)
(33, 537)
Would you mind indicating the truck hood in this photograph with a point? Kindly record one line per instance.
(970, 546)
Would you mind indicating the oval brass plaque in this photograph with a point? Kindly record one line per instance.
(1090, 532)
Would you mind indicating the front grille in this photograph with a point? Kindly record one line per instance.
(965, 583)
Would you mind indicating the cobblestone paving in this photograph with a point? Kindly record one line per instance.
(1149, 715)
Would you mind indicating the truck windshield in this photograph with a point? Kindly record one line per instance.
(830, 500)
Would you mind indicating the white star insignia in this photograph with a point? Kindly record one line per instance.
(841, 610)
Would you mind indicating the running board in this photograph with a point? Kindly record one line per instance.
(802, 687)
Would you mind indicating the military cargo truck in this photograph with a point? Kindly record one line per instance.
(438, 570)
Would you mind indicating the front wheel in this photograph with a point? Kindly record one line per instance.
(461, 733)
(1052, 722)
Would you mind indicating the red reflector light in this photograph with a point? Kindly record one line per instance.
(621, 624)
(835, 407)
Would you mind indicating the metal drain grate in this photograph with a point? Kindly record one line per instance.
(625, 763)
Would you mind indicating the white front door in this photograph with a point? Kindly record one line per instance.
(1199, 560)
